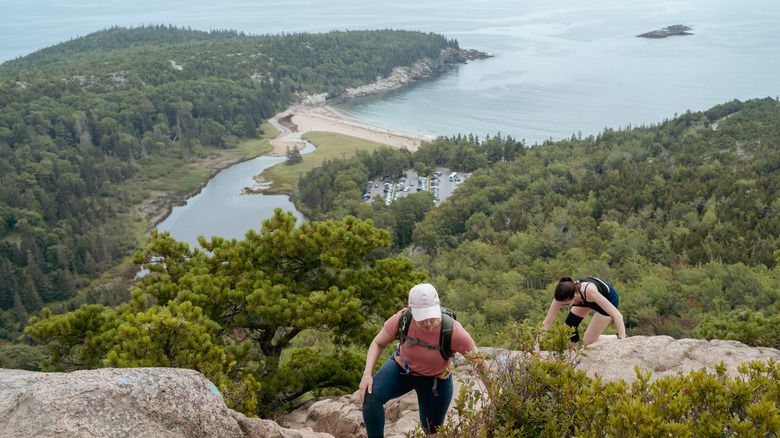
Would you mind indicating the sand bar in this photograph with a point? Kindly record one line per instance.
(327, 119)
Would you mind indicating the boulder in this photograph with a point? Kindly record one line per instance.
(130, 402)
(666, 356)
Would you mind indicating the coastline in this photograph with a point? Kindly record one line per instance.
(313, 113)
(300, 119)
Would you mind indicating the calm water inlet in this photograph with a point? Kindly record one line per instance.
(561, 68)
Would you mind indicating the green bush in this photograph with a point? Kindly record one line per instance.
(699, 404)
(758, 329)
(531, 397)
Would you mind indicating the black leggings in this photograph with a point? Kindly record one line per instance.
(574, 321)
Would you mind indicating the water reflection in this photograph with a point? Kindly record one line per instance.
(220, 209)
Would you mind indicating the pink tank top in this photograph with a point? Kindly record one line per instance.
(426, 361)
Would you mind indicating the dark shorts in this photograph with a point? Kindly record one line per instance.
(573, 320)
(612, 298)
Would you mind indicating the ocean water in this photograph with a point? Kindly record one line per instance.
(560, 67)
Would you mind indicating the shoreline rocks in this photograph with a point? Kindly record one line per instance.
(400, 76)
(676, 29)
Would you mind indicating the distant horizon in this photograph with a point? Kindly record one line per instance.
(37, 24)
(560, 68)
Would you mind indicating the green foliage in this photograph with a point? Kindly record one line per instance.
(232, 310)
(683, 218)
(86, 124)
(759, 329)
(532, 397)
(525, 396)
(696, 404)
(176, 335)
(293, 156)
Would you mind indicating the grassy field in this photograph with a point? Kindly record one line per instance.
(179, 178)
(329, 145)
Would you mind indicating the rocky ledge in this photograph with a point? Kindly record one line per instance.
(401, 76)
(180, 403)
(663, 356)
(677, 29)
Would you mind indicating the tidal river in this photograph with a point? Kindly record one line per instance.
(220, 209)
(561, 68)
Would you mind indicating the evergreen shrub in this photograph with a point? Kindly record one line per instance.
(548, 397)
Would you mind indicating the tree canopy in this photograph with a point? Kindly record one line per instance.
(683, 217)
(232, 310)
(83, 121)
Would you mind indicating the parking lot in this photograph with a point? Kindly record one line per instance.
(439, 184)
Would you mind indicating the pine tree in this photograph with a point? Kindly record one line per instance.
(233, 310)
(293, 156)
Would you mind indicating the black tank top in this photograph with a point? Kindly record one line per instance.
(600, 285)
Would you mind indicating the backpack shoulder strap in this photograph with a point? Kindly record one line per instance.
(403, 325)
(445, 336)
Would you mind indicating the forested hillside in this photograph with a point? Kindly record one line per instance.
(683, 217)
(80, 120)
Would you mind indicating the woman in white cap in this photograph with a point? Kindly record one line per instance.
(417, 365)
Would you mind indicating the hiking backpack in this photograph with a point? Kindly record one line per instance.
(448, 318)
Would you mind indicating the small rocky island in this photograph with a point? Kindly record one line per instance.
(677, 29)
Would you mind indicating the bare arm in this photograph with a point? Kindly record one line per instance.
(476, 361)
(592, 293)
(374, 351)
(548, 320)
(551, 314)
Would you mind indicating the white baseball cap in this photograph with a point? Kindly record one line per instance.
(424, 302)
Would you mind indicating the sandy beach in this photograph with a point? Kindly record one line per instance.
(298, 120)
(306, 118)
